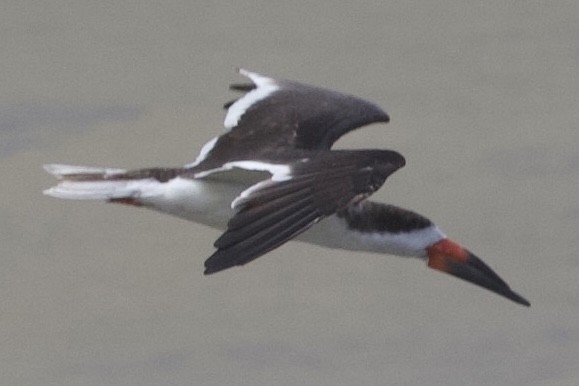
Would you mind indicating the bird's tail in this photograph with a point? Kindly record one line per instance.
(92, 183)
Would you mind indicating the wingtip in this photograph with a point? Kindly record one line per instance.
(211, 267)
(211, 271)
(385, 117)
(213, 264)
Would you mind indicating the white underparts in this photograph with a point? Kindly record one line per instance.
(333, 232)
(208, 202)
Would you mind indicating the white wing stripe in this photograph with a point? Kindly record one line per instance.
(203, 153)
(279, 172)
(265, 87)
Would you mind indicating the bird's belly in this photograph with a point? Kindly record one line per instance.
(203, 201)
(208, 202)
(334, 232)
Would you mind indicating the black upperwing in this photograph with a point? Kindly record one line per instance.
(309, 117)
(274, 114)
(276, 210)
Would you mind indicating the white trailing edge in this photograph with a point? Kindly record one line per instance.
(264, 88)
(205, 150)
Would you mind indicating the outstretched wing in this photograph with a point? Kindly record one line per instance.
(308, 117)
(274, 211)
(278, 114)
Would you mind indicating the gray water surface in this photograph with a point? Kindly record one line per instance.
(483, 98)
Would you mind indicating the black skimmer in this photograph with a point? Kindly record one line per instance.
(272, 177)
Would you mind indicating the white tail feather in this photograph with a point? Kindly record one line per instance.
(90, 183)
(62, 171)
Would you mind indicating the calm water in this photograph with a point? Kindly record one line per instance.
(483, 99)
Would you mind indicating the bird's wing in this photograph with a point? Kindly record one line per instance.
(275, 114)
(274, 211)
(308, 117)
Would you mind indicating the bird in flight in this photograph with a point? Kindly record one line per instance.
(272, 177)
